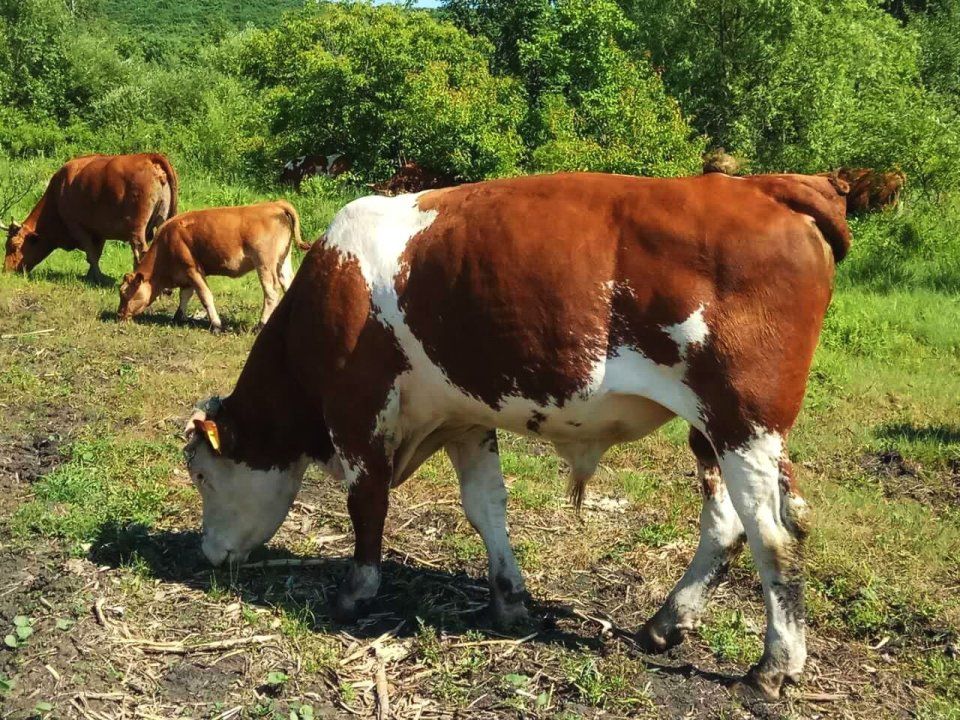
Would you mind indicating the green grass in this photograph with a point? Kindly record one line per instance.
(101, 482)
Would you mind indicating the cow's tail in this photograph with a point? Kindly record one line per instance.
(293, 218)
(824, 199)
(172, 179)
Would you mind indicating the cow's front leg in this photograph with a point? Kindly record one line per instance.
(476, 459)
(721, 540)
(367, 501)
(180, 316)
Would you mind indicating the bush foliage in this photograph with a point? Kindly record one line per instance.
(480, 88)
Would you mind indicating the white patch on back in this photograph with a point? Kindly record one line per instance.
(376, 230)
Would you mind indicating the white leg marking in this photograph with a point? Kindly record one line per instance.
(752, 473)
(484, 496)
(362, 583)
(721, 537)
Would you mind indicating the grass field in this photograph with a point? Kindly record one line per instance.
(111, 612)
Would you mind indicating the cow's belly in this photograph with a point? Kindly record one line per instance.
(628, 398)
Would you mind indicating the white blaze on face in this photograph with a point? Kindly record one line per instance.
(242, 507)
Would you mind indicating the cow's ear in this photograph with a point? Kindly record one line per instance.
(209, 430)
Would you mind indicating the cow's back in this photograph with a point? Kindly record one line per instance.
(524, 286)
(229, 240)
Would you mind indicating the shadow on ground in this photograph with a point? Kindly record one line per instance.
(304, 587)
(159, 319)
(946, 434)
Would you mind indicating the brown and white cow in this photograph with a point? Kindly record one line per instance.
(229, 241)
(411, 177)
(308, 166)
(91, 199)
(583, 309)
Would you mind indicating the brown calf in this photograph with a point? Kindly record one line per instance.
(90, 199)
(216, 241)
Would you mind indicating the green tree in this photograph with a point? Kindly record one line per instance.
(384, 82)
(599, 105)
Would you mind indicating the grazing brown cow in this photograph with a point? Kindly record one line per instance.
(217, 241)
(423, 322)
(308, 166)
(413, 178)
(871, 190)
(91, 199)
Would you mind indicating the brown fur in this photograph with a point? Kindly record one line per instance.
(216, 241)
(871, 190)
(91, 199)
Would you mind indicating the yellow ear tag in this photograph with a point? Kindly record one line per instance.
(209, 428)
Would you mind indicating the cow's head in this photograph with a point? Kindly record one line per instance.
(242, 506)
(136, 294)
(25, 249)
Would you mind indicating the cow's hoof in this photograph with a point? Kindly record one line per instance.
(758, 685)
(216, 330)
(346, 610)
(257, 328)
(653, 640)
(179, 318)
(509, 616)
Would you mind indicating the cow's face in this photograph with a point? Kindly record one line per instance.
(24, 249)
(136, 294)
(242, 507)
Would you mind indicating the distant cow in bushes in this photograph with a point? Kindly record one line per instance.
(871, 190)
(720, 161)
(308, 166)
(90, 199)
(216, 241)
(412, 177)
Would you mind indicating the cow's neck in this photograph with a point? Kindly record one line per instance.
(271, 419)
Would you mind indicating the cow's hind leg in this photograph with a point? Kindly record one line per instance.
(721, 539)
(271, 294)
(759, 478)
(476, 459)
(286, 272)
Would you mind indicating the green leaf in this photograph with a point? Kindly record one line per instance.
(517, 681)
(24, 631)
(21, 621)
(543, 699)
(276, 677)
(11, 641)
(42, 707)
(65, 623)
(6, 685)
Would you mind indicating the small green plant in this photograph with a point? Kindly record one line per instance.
(42, 708)
(65, 624)
(348, 693)
(6, 685)
(731, 639)
(304, 712)
(22, 630)
(277, 678)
